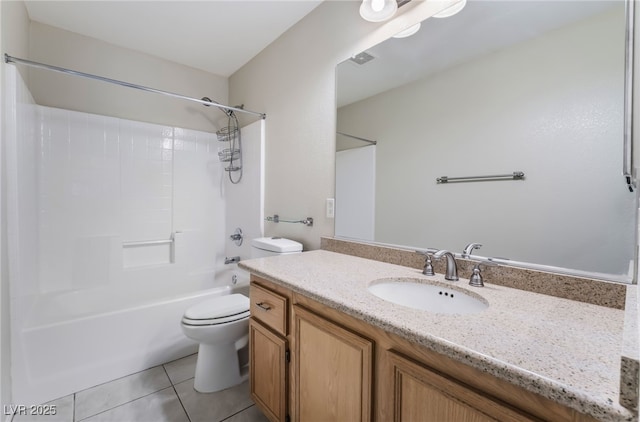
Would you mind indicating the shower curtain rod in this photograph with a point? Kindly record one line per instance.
(11, 59)
(358, 138)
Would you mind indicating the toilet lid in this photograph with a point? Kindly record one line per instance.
(277, 244)
(219, 307)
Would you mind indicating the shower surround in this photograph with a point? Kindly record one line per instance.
(116, 227)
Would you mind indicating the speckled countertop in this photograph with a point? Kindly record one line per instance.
(564, 350)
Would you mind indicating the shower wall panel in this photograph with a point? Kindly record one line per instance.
(146, 180)
(199, 202)
(105, 183)
(22, 184)
(79, 199)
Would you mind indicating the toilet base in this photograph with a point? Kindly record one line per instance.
(217, 368)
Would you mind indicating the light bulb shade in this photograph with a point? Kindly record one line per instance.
(378, 14)
(408, 32)
(451, 10)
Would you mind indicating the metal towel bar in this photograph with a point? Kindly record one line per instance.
(516, 175)
(276, 219)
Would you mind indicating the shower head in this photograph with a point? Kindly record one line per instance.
(224, 110)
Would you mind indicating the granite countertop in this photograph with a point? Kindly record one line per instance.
(564, 350)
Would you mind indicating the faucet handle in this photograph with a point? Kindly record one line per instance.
(476, 277)
(428, 266)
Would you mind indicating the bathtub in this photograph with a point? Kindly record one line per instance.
(74, 340)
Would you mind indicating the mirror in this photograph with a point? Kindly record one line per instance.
(521, 86)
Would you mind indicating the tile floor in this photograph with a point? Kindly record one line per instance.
(161, 394)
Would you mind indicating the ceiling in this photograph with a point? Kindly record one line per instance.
(482, 27)
(216, 36)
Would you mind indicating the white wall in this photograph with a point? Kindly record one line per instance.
(293, 82)
(567, 138)
(14, 24)
(356, 193)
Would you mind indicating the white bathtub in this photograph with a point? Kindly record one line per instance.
(78, 339)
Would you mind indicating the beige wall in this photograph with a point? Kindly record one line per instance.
(293, 82)
(15, 31)
(66, 49)
(14, 37)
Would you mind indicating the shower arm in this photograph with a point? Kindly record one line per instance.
(16, 60)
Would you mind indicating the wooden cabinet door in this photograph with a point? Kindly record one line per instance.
(268, 371)
(333, 371)
(420, 394)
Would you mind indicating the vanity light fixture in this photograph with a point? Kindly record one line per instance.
(408, 32)
(451, 10)
(378, 10)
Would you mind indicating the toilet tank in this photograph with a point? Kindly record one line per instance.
(272, 246)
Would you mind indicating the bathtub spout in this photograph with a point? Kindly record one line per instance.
(232, 260)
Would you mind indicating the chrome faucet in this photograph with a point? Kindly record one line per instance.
(232, 260)
(452, 267)
(469, 248)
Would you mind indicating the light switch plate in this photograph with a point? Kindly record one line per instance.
(331, 208)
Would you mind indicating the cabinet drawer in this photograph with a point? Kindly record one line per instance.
(269, 307)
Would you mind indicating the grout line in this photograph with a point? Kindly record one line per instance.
(119, 378)
(177, 395)
(124, 404)
(238, 412)
(177, 359)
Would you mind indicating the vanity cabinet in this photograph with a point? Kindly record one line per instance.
(268, 371)
(269, 352)
(419, 393)
(333, 371)
(310, 362)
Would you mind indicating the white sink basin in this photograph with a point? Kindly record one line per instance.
(419, 294)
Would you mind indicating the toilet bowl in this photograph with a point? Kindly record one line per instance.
(221, 326)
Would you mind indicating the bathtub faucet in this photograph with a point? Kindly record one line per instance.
(232, 260)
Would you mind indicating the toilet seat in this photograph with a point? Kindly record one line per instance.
(216, 321)
(218, 310)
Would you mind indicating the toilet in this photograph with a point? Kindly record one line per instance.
(221, 326)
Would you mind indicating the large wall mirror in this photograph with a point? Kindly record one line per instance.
(504, 86)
